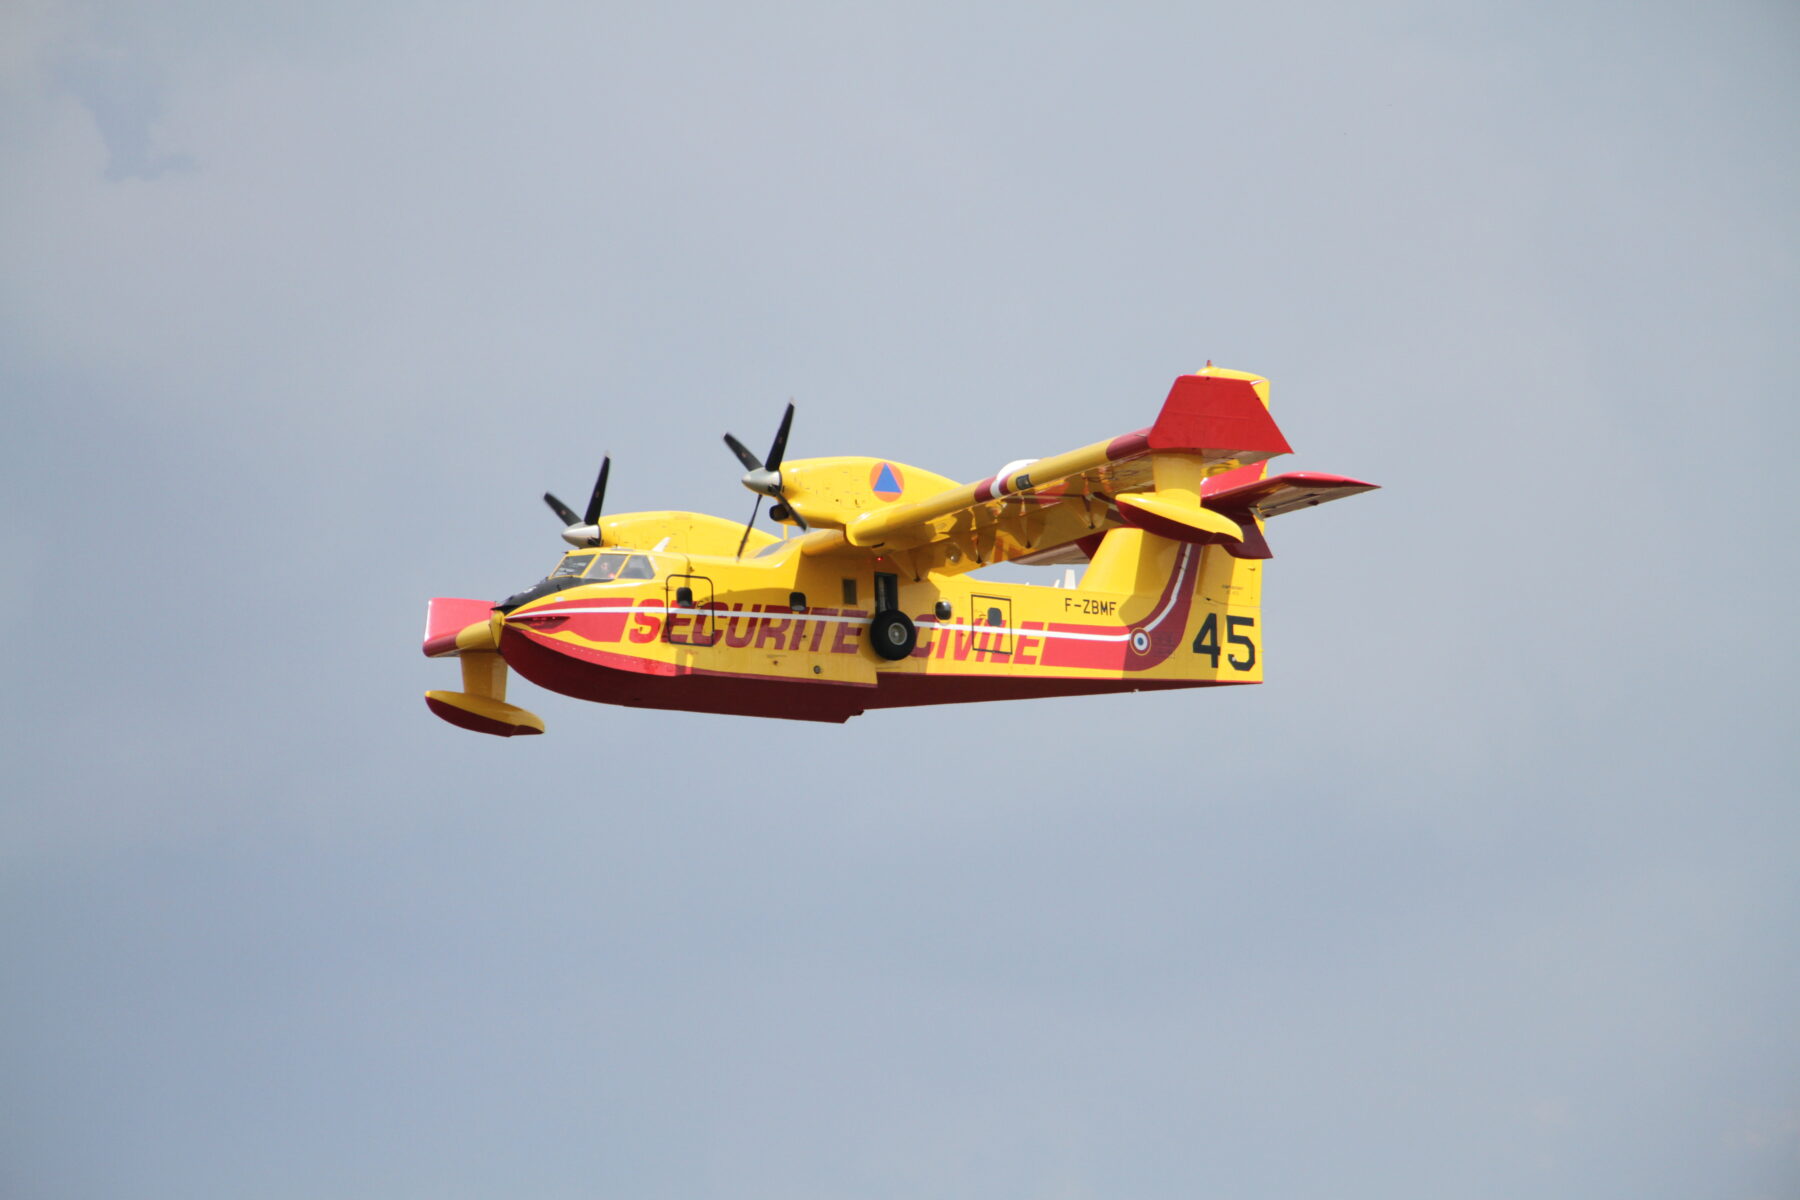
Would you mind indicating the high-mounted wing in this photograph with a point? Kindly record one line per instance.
(1214, 425)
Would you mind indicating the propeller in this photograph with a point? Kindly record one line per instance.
(585, 530)
(764, 477)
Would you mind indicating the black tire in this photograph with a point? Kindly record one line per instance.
(893, 635)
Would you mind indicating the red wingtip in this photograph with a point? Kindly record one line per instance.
(447, 616)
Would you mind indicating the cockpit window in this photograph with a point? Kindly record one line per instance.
(604, 568)
(607, 569)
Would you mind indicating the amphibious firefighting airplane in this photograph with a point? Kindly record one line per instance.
(876, 605)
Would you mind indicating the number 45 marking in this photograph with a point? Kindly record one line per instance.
(1207, 641)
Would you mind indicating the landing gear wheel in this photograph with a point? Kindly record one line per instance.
(893, 635)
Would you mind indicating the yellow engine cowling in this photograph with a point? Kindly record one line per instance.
(832, 492)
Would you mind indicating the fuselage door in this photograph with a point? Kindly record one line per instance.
(691, 621)
(992, 619)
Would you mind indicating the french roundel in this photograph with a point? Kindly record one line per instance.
(886, 481)
(1140, 641)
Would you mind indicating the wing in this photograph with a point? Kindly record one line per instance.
(1055, 509)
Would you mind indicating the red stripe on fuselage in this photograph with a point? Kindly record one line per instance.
(551, 665)
(1164, 627)
(1093, 648)
(604, 626)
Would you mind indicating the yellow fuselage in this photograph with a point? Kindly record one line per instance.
(785, 634)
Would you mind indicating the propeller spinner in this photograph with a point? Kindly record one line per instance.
(764, 477)
(585, 530)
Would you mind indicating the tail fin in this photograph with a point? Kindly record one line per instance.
(1195, 610)
(1218, 414)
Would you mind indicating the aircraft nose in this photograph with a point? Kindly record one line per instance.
(538, 590)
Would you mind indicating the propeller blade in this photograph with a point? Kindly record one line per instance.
(562, 510)
(593, 508)
(750, 461)
(781, 436)
(749, 525)
(765, 478)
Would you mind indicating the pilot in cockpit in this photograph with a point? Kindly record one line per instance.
(604, 567)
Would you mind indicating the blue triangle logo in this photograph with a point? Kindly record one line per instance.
(885, 482)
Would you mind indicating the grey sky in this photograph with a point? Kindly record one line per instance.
(1493, 890)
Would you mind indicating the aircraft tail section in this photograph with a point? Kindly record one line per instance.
(1194, 611)
(1224, 635)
